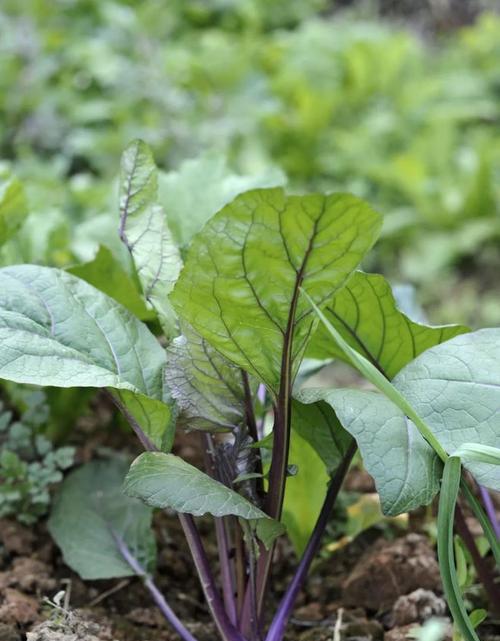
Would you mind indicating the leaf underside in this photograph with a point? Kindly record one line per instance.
(88, 506)
(455, 388)
(56, 329)
(405, 468)
(207, 388)
(144, 230)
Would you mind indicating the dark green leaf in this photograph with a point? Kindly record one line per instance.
(106, 273)
(88, 506)
(318, 424)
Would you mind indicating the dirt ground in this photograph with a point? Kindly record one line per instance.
(378, 587)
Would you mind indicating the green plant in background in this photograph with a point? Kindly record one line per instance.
(266, 281)
(337, 103)
(29, 463)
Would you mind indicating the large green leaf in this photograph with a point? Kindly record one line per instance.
(56, 329)
(202, 186)
(318, 424)
(106, 273)
(366, 315)
(455, 388)
(13, 207)
(240, 287)
(208, 389)
(144, 230)
(88, 507)
(165, 480)
(405, 468)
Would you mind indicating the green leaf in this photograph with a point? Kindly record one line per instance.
(305, 492)
(144, 230)
(165, 480)
(88, 506)
(201, 187)
(372, 374)
(240, 286)
(318, 424)
(56, 329)
(106, 273)
(405, 468)
(366, 315)
(455, 388)
(207, 388)
(13, 207)
(446, 512)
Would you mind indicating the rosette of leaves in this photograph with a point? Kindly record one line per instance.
(29, 467)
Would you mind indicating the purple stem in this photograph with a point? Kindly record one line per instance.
(226, 573)
(158, 597)
(285, 608)
(226, 629)
(490, 510)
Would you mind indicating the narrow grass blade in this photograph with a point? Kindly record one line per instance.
(447, 502)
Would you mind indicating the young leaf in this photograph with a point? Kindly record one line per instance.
(305, 492)
(13, 207)
(56, 329)
(164, 480)
(318, 424)
(89, 505)
(107, 274)
(202, 186)
(208, 389)
(240, 287)
(455, 388)
(144, 230)
(366, 315)
(405, 468)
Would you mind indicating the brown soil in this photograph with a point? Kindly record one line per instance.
(372, 589)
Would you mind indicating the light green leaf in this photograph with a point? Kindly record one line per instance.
(305, 492)
(240, 287)
(201, 187)
(207, 388)
(366, 315)
(13, 207)
(144, 230)
(318, 424)
(165, 480)
(56, 329)
(88, 506)
(455, 388)
(405, 468)
(106, 273)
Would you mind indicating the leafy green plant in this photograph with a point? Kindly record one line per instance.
(29, 467)
(269, 279)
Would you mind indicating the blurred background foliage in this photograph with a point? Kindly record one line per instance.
(398, 102)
